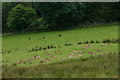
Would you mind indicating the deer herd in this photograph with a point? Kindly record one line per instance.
(71, 55)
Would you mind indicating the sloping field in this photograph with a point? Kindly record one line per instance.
(79, 53)
(50, 47)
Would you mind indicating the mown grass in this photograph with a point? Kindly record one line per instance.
(104, 66)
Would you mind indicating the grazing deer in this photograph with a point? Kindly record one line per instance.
(48, 54)
(39, 48)
(47, 59)
(48, 47)
(91, 41)
(98, 50)
(8, 51)
(91, 53)
(79, 43)
(33, 49)
(36, 49)
(60, 35)
(53, 56)
(51, 46)
(97, 42)
(42, 61)
(105, 45)
(44, 48)
(30, 62)
(70, 56)
(29, 38)
(19, 62)
(79, 55)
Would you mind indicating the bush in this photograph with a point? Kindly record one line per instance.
(20, 17)
(38, 24)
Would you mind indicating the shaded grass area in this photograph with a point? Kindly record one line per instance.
(100, 66)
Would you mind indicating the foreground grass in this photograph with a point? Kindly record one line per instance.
(100, 66)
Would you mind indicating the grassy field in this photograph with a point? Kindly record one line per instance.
(57, 53)
(104, 66)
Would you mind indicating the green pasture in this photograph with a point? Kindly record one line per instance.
(19, 45)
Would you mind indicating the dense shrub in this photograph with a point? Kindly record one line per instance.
(20, 17)
(38, 24)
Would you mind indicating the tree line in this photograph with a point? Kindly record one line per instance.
(29, 16)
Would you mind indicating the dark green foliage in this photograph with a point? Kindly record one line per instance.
(61, 15)
(20, 17)
(102, 12)
(6, 7)
(56, 16)
(38, 24)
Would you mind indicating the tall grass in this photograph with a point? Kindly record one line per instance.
(104, 66)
